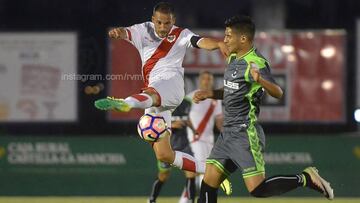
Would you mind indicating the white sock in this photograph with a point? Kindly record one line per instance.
(198, 181)
(141, 101)
(188, 163)
(183, 198)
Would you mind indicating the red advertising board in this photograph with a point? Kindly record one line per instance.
(125, 67)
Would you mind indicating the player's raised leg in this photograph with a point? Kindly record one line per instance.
(164, 152)
(318, 183)
(258, 186)
(254, 169)
(148, 98)
(151, 100)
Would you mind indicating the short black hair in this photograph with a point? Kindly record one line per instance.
(164, 7)
(243, 25)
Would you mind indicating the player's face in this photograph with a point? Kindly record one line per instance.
(163, 23)
(206, 81)
(233, 40)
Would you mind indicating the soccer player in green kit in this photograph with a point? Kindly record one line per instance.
(241, 144)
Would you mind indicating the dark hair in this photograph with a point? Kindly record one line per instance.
(242, 24)
(164, 7)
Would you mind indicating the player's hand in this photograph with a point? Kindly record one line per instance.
(201, 95)
(254, 71)
(223, 49)
(115, 33)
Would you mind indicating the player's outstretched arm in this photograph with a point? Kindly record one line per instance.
(211, 44)
(118, 33)
(201, 95)
(273, 89)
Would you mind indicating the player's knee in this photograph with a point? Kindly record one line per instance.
(189, 174)
(213, 176)
(164, 157)
(164, 176)
(258, 192)
(154, 96)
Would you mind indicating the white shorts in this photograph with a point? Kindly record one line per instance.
(201, 150)
(171, 92)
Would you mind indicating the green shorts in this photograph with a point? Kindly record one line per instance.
(240, 147)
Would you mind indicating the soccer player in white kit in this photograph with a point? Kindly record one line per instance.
(204, 116)
(162, 47)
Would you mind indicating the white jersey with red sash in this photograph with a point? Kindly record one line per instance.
(202, 116)
(161, 58)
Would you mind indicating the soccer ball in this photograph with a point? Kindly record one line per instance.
(151, 127)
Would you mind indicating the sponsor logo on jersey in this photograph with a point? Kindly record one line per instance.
(243, 125)
(232, 85)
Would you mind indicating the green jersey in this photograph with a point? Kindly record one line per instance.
(242, 96)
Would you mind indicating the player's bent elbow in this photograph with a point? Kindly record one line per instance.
(279, 93)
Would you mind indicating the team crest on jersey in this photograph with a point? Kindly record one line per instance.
(234, 74)
(171, 38)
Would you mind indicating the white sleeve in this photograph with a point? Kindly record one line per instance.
(134, 34)
(187, 35)
(218, 108)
